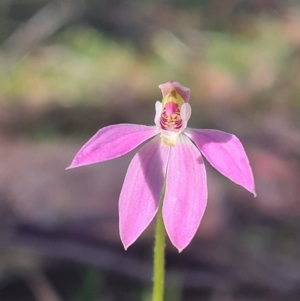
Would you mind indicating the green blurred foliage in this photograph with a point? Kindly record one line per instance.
(81, 65)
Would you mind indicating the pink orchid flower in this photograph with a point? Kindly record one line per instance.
(172, 155)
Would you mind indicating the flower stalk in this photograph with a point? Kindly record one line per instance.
(159, 257)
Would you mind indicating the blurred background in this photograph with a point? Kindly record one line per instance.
(70, 67)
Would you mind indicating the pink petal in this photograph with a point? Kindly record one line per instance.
(142, 188)
(184, 92)
(185, 114)
(186, 192)
(226, 153)
(111, 142)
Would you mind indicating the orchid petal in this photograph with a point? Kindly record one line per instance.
(111, 142)
(158, 111)
(142, 189)
(184, 92)
(185, 114)
(226, 153)
(186, 192)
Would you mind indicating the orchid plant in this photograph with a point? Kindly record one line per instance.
(167, 175)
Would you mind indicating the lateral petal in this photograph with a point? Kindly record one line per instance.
(226, 153)
(142, 189)
(186, 192)
(111, 142)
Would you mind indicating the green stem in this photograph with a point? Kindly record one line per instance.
(159, 257)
